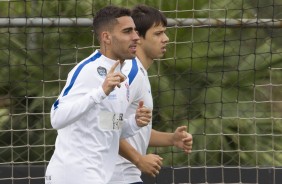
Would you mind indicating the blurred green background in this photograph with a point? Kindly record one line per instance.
(224, 83)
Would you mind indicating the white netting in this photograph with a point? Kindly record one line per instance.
(221, 76)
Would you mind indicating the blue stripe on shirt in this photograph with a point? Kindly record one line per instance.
(77, 71)
(133, 72)
(75, 75)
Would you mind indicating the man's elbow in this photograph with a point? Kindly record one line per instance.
(56, 122)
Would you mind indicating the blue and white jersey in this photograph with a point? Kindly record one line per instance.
(89, 124)
(125, 171)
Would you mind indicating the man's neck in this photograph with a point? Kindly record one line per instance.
(109, 55)
(144, 59)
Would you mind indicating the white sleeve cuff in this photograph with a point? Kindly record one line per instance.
(98, 95)
(130, 127)
(133, 123)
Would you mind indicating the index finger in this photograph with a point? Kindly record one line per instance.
(114, 67)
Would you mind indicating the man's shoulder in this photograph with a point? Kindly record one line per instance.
(133, 66)
(134, 72)
(127, 66)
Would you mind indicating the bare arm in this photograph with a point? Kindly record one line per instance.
(160, 139)
(180, 138)
(149, 164)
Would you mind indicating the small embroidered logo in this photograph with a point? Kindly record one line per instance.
(102, 71)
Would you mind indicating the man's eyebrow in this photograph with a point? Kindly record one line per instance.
(128, 29)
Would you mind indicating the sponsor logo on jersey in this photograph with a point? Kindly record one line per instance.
(110, 121)
(112, 96)
(102, 71)
(117, 121)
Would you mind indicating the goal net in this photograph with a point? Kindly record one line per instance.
(221, 76)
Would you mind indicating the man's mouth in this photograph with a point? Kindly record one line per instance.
(132, 48)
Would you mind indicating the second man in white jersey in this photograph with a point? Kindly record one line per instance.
(151, 25)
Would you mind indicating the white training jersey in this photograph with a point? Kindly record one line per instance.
(125, 171)
(90, 124)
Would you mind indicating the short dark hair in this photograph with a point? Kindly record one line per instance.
(145, 17)
(106, 17)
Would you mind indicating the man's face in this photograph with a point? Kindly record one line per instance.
(154, 43)
(124, 39)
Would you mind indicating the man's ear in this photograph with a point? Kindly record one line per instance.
(106, 37)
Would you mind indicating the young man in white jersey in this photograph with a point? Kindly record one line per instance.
(89, 113)
(151, 25)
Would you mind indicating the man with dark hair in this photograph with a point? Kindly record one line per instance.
(89, 113)
(151, 26)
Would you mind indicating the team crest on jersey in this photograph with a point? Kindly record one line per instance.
(102, 71)
(127, 91)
